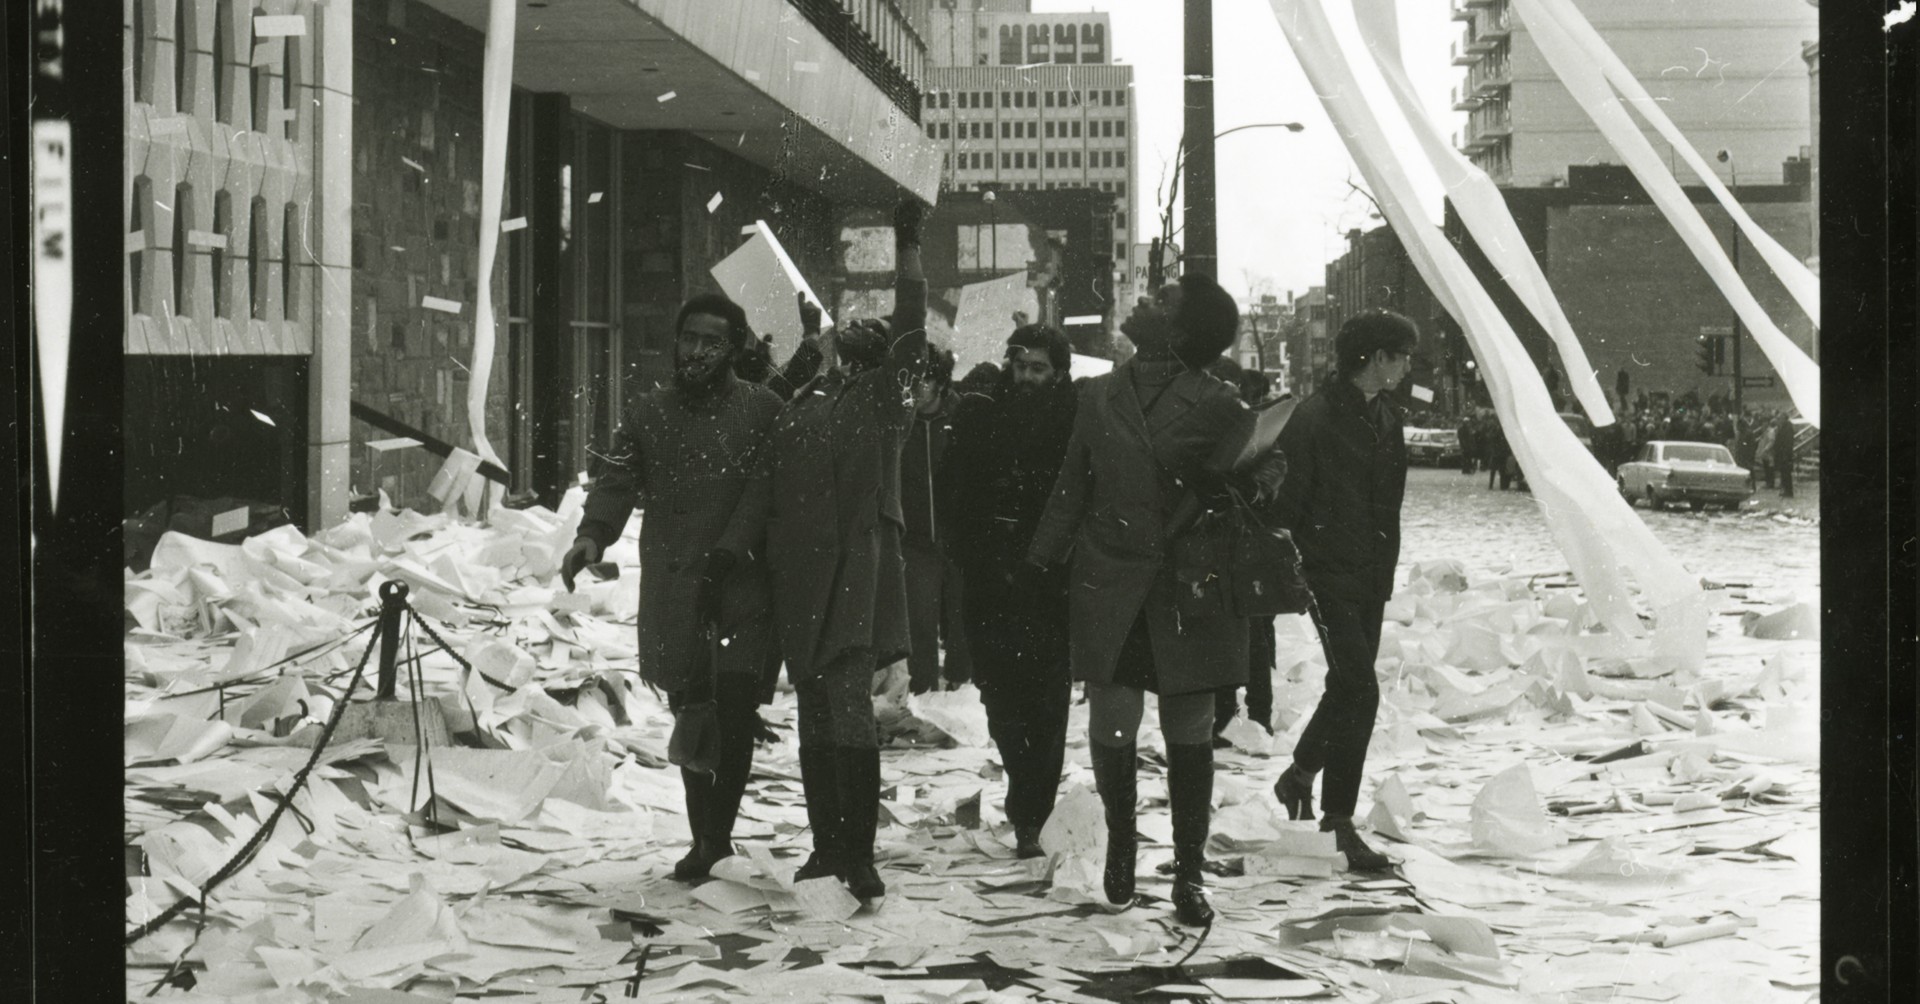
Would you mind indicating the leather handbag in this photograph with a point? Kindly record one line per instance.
(1229, 563)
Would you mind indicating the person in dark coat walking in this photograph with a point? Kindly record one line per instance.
(1262, 651)
(834, 548)
(1783, 435)
(1347, 475)
(1469, 435)
(1005, 455)
(933, 578)
(1499, 454)
(1142, 439)
(695, 455)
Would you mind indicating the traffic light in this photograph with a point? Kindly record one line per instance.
(1704, 354)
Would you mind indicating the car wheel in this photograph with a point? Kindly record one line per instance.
(1653, 499)
(1698, 506)
(1625, 492)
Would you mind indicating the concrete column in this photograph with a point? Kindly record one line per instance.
(330, 372)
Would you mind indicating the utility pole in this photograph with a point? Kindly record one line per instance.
(1202, 239)
(1733, 225)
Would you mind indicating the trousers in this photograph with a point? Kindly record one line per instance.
(1337, 735)
(934, 616)
(836, 704)
(1261, 655)
(1114, 711)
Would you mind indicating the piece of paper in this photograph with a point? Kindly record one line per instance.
(278, 25)
(761, 277)
(509, 226)
(985, 317)
(714, 203)
(1081, 367)
(1083, 319)
(1508, 819)
(441, 304)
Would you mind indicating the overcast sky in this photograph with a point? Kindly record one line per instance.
(1283, 196)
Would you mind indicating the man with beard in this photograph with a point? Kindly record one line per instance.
(1139, 455)
(1346, 477)
(834, 547)
(1006, 452)
(694, 454)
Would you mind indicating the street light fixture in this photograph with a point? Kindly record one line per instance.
(1288, 126)
(993, 229)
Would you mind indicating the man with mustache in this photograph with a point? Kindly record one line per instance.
(1006, 452)
(695, 455)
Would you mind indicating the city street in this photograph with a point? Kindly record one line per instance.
(1659, 842)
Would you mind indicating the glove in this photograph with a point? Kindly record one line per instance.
(713, 575)
(1267, 474)
(584, 552)
(809, 316)
(764, 733)
(695, 742)
(906, 221)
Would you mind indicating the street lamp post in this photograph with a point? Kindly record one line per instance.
(1733, 226)
(993, 230)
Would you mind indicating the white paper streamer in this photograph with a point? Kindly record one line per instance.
(496, 91)
(1794, 274)
(1605, 543)
(1591, 91)
(1483, 210)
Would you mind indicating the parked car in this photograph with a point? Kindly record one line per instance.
(1582, 428)
(1699, 474)
(1438, 447)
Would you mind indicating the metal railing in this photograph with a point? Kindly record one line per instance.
(880, 39)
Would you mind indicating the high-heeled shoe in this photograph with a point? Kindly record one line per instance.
(1295, 793)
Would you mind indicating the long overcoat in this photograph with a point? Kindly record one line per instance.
(1123, 479)
(1346, 478)
(834, 536)
(699, 469)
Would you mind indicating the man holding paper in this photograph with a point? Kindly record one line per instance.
(695, 454)
(1346, 477)
(835, 548)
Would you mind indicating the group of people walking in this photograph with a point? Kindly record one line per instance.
(851, 510)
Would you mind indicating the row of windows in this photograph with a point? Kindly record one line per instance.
(266, 102)
(1028, 99)
(1027, 159)
(217, 250)
(1118, 188)
(1100, 129)
(1061, 45)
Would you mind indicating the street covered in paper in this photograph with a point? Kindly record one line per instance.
(1595, 765)
(1568, 826)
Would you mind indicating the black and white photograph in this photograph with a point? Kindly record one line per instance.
(940, 501)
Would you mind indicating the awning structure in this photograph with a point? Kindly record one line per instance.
(781, 95)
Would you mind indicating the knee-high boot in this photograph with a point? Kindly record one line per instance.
(859, 774)
(1115, 776)
(1190, 793)
(701, 856)
(820, 780)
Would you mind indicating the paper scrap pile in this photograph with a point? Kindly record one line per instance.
(1570, 823)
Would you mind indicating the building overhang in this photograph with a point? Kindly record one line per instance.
(753, 77)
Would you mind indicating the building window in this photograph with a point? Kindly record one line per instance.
(222, 55)
(1076, 159)
(1119, 251)
(137, 43)
(257, 258)
(945, 99)
(1120, 219)
(1120, 98)
(289, 240)
(1093, 43)
(140, 222)
(1036, 43)
(1120, 188)
(1049, 130)
(1075, 127)
(931, 131)
(223, 234)
(1006, 160)
(182, 53)
(944, 131)
(1120, 128)
(946, 161)
(1049, 99)
(1063, 43)
(1006, 130)
(1120, 159)
(1033, 99)
(1049, 158)
(182, 272)
(1010, 44)
(1006, 99)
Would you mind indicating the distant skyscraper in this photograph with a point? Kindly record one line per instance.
(1031, 102)
(1727, 72)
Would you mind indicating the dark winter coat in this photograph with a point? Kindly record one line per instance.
(699, 469)
(1000, 470)
(1125, 474)
(1346, 478)
(920, 463)
(835, 534)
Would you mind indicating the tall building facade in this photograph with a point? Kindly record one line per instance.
(303, 205)
(1727, 72)
(1027, 102)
